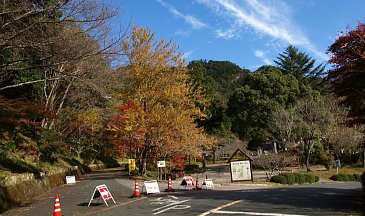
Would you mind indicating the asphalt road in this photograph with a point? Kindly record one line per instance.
(320, 199)
(237, 199)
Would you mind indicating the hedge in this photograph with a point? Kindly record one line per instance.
(336, 177)
(290, 177)
(346, 177)
(294, 178)
(357, 177)
(279, 179)
(299, 178)
(310, 178)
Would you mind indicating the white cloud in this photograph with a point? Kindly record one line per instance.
(227, 34)
(188, 54)
(262, 55)
(182, 33)
(194, 22)
(265, 17)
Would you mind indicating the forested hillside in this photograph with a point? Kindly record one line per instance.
(72, 90)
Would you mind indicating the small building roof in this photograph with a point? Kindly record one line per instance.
(243, 152)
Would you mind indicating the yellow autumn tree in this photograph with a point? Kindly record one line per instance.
(156, 77)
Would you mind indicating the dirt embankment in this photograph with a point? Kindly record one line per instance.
(17, 190)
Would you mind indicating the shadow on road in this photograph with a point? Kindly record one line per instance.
(328, 199)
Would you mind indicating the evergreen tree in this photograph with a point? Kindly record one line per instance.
(303, 67)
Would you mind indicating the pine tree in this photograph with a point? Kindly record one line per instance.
(300, 65)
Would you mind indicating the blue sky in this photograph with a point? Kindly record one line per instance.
(249, 33)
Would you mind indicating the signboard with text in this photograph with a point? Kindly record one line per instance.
(132, 164)
(151, 187)
(208, 184)
(241, 170)
(70, 180)
(161, 163)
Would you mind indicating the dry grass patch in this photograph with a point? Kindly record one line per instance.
(326, 174)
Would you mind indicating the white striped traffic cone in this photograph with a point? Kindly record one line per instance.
(57, 207)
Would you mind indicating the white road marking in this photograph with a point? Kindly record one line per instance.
(172, 205)
(218, 211)
(253, 213)
(219, 208)
(110, 207)
(162, 200)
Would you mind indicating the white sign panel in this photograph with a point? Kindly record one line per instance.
(151, 187)
(208, 183)
(161, 163)
(70, 180)
(103, 192)
(241, 170)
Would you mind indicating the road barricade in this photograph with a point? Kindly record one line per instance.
(151, 187)
(103, 192)
(208, 184)
(187, 182)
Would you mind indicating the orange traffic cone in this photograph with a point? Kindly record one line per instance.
(136, 190)
(197, 183)
(169, 186)
(57, 207)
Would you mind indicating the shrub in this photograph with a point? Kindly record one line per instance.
(152, 174)
(345, 177)
(192, 168)
(351, 177)
(310, 178)
(336, 177)
(290, 177)
(134, 173)
(299, 178)
(357, 177)
(18, 166)
(279, 179)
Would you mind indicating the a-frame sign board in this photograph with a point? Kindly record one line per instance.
(241, 170)
(103, 192)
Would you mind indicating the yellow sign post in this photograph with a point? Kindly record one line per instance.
(132, 165)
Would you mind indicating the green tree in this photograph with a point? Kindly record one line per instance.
(301, 66)
(261, 93)
(216, 122)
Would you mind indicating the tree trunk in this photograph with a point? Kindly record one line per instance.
(275, 148)
(364, 157)
(309, 147)
(143, 162)
(307, 165)
(214, 155)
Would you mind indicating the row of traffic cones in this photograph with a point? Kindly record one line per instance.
(57, 205)
(169, 186)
